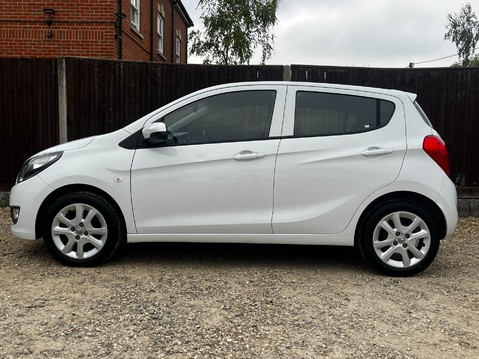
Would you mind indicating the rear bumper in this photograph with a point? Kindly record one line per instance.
(447, 202)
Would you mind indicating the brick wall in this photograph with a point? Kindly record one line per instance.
(87, 28)
(78, 28)
(181, 30)
(137, 44)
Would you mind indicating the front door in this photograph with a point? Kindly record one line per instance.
(215, 172)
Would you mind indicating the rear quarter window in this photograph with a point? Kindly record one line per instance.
(326, 114)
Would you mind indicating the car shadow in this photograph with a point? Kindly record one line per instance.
(272, 255)
(207, 255)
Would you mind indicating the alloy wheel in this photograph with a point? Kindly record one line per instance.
(401, 239)
(79, 231)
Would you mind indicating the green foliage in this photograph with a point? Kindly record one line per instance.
(234, 29)
(474, 62)
(463, 30)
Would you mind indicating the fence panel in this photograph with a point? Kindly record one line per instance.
(28, 112)
(448, 95)
(104, 95)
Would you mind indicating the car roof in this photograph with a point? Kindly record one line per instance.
(318, 85)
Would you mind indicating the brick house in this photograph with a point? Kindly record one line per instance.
(140, 30)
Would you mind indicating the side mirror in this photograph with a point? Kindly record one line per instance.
(155, 133)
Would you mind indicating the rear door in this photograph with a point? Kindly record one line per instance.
(338, 147)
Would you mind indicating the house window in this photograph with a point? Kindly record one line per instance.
(135, 13)
(178, 49)
(160, 30)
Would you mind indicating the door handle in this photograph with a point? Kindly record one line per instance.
(248, 155)
(376, 151)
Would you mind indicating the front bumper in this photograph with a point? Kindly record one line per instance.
(26, 198)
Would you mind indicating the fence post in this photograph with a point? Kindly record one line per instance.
(62, 100)
(287, 73)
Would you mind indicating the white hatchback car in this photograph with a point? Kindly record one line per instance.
(263, 162)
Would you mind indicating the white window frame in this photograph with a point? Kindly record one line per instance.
(178, 49)
(135, 13)
(160, 30)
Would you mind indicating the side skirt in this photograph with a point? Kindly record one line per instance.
(300, 239)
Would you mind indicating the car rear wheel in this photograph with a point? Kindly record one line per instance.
(82, 229)
(399, 239)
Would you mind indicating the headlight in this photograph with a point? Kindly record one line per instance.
(36, 164)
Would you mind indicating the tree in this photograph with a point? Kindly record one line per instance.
(234, 29)
(474, 62)
(463, 30)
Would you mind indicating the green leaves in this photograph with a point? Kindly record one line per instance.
(233, 30)
(463, 30)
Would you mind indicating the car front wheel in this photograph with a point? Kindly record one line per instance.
(82, 229)
(399, 239)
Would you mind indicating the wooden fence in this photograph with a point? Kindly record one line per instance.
(103, 96)
(45, 101)
(28, 112)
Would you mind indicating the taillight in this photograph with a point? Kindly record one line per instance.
(435, 147)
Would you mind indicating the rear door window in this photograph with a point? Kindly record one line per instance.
(326, 114)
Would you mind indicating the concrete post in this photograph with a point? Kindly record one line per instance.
(287, 73)
(62, 100)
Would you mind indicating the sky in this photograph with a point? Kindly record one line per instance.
(364, 33)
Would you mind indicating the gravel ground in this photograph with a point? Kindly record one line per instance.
(237, 301)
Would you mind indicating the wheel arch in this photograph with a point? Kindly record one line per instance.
(413, 197)
(59, 192)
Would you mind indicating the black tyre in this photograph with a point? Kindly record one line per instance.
(82, 229)
(399, 238)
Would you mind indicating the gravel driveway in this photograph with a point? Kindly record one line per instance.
(237, 301)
